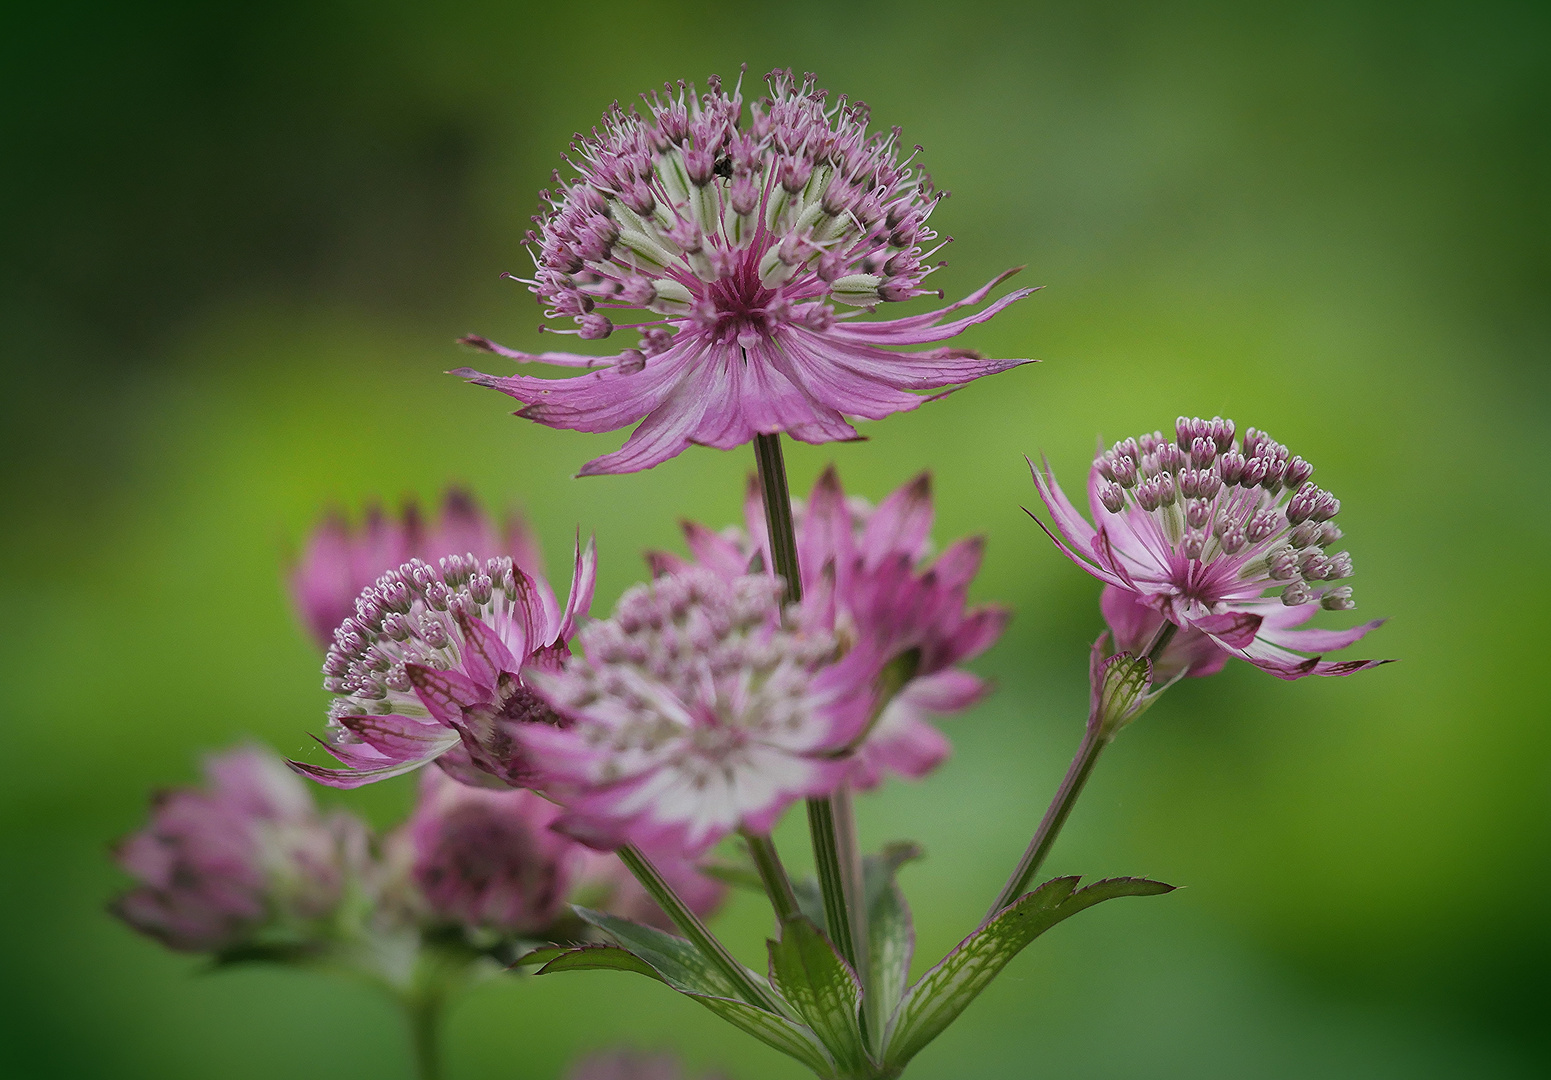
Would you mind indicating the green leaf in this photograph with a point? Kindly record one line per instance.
(891, 942)
(681, 965)
(790, 1038)
(823, 989)
(541, 955)
(599, 958)
(945, 991)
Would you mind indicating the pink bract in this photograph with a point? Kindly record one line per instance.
(735, 238)
(431, 668)
(1228, 543)
(693, 713)
(868, 578)
(340, 560)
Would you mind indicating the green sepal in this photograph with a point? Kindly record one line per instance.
(681, 965)
(944, 992)
(823, 989)
(541, 955)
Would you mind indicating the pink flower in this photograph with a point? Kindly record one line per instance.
(1229, 544)
(430, 668)
(627, 1065)
(694, 714)
(340, 561)
(740, 239)
(246, 856)
(486, 858)
(868, 579)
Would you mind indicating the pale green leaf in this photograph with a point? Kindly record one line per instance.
(823, 989)
(772, 1030)
(600, 957)
(947, 989)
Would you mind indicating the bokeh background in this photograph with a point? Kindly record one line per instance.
(239, 241)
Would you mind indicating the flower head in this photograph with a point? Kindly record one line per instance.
(694, 713)
(245, 858)
(738, 238)
(1229, 543)
(431, 665)
(339, 560)
(486, 858)
(867, 577)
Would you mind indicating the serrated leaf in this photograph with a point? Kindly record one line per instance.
(891, 942)
(680, 964)
(947, 989)
(541, 955)
(784, 1035)
(823, 989)
(600, 958)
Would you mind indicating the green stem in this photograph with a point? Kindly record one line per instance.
(851, 877)
(773, 875)
(692, 928)
(778, 513)
(1094, 741)
(424, 1013)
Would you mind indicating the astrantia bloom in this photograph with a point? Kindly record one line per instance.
(246, 856)
(694, 714)
(339, 561)
(867, 580)
(1228, 543)
(742, 238)
(430, 668)
(487, 859)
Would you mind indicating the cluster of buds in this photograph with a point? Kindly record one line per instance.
(678, 199)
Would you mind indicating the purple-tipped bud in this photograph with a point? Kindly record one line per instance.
(1170, 458)
(1338, 599)
(1340, 567)
(1125, 471)
(1197, 513)
(630, 362)
(1193, 544)
(1298, 472)
(1282, 565)
(1297, 594)
(1231, 537)
(594, 326)
(1221, 432)
(1230, 466)
(1313, 565)
(1329, 533)
(1203, 452)
(1112, 497)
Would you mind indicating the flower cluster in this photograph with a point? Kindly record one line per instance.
(867, 579)
(1228, 543)
(740, 237)
(244, 861)
(695, 713)
(430, 668)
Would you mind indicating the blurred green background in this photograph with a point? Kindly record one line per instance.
(240, 240)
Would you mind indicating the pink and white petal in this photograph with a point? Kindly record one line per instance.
(948, 691)
(401, 738)
(1071, 524)
(1088, 565)
(667, 430)
(825, 534)
(921, 335)
(349, 779)
(1234, 629)
(584, 579)
(901, 525)
(485, 655)
(911, 323)
(956, 567)
(659, 563)
(1320, 641)
(980, 629)
(445, 694)
(903, 743)
(714, 552)
(563, 359)
(817, 367)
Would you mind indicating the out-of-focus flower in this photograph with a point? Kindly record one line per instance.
(741, 239)
(604, 883)
(628, 1065)
(430, 668)
(244, 859)
(339, 560)
(1230, 544)
(487, 859)
(867, 579)
(694, 714)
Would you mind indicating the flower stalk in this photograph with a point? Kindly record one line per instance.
(1097, 736)
(691, 927)
(424, 1013)
(831, 820)
(778, 886)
